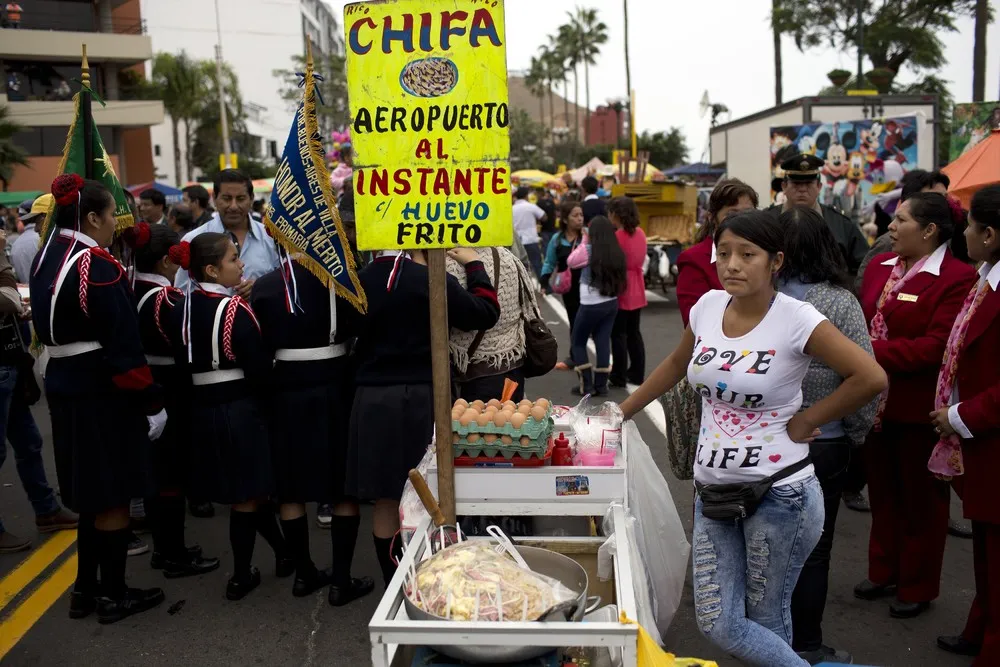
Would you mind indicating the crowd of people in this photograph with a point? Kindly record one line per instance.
(199, 360)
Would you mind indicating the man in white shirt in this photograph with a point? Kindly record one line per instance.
(526, 219)
(24, 249)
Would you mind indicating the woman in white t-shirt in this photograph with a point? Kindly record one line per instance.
(746, 351)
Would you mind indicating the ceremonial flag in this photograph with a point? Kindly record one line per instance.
(74, 161)
(302, 214)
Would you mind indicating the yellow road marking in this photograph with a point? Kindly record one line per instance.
(32, 609)
(45, 555)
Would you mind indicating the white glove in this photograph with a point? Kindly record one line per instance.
(157, 423)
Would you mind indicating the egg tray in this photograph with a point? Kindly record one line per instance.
(538, 433)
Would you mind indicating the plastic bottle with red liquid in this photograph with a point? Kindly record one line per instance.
(562, 455)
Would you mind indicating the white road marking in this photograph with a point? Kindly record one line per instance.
(656, 297)
(654, 410)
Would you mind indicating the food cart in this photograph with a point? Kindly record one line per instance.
(668, 214)
(541, 491)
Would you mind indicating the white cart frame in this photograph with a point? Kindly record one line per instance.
(524, 492)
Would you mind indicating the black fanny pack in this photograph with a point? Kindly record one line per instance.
(724, 502)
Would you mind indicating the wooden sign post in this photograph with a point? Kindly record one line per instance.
(429, 119)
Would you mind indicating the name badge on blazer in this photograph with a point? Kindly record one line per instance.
(910, 298)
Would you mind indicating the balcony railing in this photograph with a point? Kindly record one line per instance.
(73, 18)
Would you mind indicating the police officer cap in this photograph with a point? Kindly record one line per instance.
(802, 167)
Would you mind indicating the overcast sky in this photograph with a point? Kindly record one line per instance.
(681, 48)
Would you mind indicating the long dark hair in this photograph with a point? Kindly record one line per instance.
(207, 249)
(89, 196)
(947, 215)
(985, 206)
(758, 227)
(607, 261)
(626, 211)
(727, 192)
(812, 254)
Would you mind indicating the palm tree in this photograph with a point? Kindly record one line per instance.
(776, 35)
(561, 71)
(979, 51)
(11, 155)
(182, 88)
(593, 33)
(571, 40)
(549, 67)
(535, 80)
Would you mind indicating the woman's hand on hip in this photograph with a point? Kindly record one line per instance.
(800, 430)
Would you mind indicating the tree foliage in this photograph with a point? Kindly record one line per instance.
(11, 155)
(527, 139)
(666, 149)
(897, 33)
(333, 111)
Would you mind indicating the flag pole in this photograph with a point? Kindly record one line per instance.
(87, 116)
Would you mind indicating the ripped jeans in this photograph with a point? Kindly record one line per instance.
(745, 573)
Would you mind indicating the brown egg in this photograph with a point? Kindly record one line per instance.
(468, 417)
(506, 439)
(511, 405)
(455, 437)
(538, 413)
(478, 405)
(517, 420)
(461, 403)
(525, 409)
(543, 403)
(491, 410)
(525, 441)
(456, 414)
(524, 403)
(501, 419)
(472, 438)
(494, 403)
(483, 419)
(489, 438)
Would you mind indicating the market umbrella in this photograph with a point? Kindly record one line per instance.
(532, 177)
(263, 186)
(975, 169)
(172, 194)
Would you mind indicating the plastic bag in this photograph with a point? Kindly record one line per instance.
(470, 581)
(651, 655)
(596, 427)
(655, 536)
(641, 587)
(411, 510)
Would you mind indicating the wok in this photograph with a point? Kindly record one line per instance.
(549, 563)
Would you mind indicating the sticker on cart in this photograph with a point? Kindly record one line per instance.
(573, 485)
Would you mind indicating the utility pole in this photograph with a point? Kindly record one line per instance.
(222, 96)
(861, 44)
(979, 51)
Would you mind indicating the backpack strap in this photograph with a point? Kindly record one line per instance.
(496, 282)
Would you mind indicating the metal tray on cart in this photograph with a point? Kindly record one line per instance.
(391, 631)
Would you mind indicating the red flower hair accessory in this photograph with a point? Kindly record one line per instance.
(180, 254)
(138, 235)
(957, 212)
(65, 188)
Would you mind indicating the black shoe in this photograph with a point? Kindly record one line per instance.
(866, 590)
(617, 384)
(136, 547)
(311, 583)
(189, 566)
(201, 510)
(959, 529)
(958, 645)
(157, 560)
(139, 525)
(238, 589)
(135, 601)
(355, 589)
(285, 567)
(856, 502)
(81, 605)
(900, 609)
(827, 654)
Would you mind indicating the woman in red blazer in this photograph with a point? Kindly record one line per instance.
(973, 414)
(910, 298)
(696, 272)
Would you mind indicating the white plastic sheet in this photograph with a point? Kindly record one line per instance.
(656, 540)
(411, 510)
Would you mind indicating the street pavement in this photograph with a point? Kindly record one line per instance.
(197, 626)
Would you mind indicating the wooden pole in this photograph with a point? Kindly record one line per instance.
(631, 122)
(87, 116)
(436, 279)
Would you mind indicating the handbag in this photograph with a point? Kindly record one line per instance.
(725, 502)
(541, 350)
(682, 408)
(562, 281)
(25, 386)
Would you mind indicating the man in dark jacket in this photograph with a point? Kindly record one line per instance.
(801, 187)
(592, 206)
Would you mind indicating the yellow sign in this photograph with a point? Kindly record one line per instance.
(853, 92)
(429, 118)
(231, 164)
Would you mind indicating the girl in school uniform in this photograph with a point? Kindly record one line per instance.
(155, 299)
(967, 421)
(312, 387)
(910, 298)
(393, 416)
(218, 340)
(103, 402)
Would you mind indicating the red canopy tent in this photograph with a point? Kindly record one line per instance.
(975, 169)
